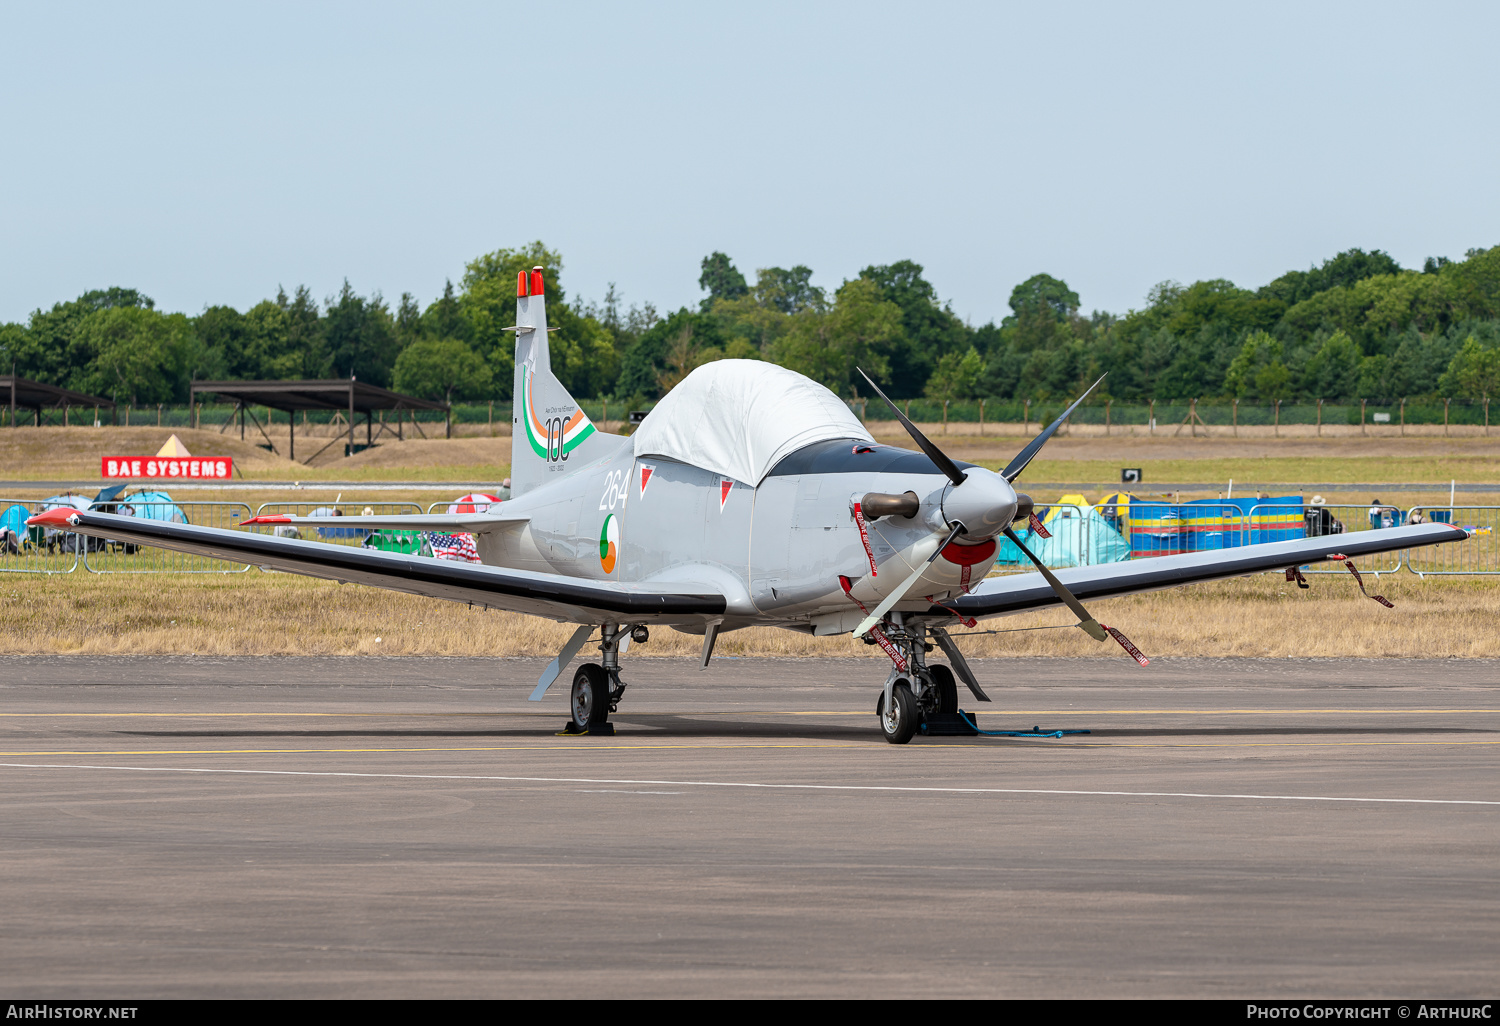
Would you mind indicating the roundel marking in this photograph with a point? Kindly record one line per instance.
(609, 543)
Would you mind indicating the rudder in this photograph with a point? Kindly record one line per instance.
(550, 433)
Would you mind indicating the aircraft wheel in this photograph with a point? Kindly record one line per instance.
(590, 698)
(899, 722)
(946, 687)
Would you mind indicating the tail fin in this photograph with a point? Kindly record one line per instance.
(550, 433)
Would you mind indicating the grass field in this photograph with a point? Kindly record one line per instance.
(57, 453)
(278, 614)
(255, 613)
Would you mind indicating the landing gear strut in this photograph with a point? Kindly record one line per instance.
(597, 688)
(920, 697)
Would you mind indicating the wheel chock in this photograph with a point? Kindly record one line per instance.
(572, 729)
(947, 725)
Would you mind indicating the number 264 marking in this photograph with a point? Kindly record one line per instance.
(614, 490)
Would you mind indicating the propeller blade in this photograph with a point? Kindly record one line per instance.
(935, 454)
(960, 664)
(1087, 622)
(1026, 455)
(878, 613)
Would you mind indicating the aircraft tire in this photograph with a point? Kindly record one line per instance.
(589, 700)
(900, 726)
(947, 689)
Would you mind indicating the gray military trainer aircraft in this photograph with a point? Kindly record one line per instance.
(749, 496)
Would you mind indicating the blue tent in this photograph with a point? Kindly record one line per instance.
(14, 519)
(1080, 537)
(154, 506)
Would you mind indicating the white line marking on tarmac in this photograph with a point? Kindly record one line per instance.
(754, 786)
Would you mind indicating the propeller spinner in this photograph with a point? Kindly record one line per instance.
(978, 505)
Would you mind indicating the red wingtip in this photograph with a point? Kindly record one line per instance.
(536, 281)
(276, 518)
(520, 284)
(62, 516)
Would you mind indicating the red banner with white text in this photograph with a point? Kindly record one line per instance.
(186, 468)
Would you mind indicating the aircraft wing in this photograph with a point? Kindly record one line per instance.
(574, 599)
(1018, 593)
(469, 523)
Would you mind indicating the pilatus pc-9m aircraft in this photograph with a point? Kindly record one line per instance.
(749, 496)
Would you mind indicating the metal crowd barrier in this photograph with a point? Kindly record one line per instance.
(332, 534)
(101, 556)
(37, 550)
(442, 507)
(1076, 540)
(1178, 528)
(1332, 521)
(1479, 555)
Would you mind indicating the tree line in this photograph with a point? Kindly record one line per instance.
(1358, 326)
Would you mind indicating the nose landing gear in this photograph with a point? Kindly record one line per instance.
(597, 687)
(918, 697)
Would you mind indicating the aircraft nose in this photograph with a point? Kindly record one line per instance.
(985, 503)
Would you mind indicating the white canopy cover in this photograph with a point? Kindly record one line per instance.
(738, 418)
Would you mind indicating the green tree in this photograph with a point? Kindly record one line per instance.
(860, 331)
(221, 332)
(1333, 372)
(1257, 372)
(957, 376)
(1041, 307)
(655, 354)
(283, 340)
(1474, 372)
(721, 280)
(584, 356)
(409, 320)
(787, 292)
(139, 355)
(445, 317)
(53, 351)
(442, 368)
(1474, 283)
(361, 336)
(930, 329)
(1341, 271)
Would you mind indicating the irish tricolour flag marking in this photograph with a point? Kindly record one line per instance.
(609, 543)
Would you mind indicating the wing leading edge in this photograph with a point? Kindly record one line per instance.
(552, 595)
(1001, 596)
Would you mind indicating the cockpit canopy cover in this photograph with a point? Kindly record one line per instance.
(738, 418)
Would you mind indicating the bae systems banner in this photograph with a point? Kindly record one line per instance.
(205, 468)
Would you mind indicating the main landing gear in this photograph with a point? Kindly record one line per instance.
(597, 688)
(920, 697)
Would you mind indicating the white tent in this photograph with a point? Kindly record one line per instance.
(738, 418)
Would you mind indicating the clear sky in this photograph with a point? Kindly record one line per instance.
(207, 153)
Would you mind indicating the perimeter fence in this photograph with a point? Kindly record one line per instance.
(1185, 416)
(1080, 535)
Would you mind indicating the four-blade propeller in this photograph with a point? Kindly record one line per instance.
(978, 505)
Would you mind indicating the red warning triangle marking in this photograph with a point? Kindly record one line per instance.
(725, 484)
(645, 476)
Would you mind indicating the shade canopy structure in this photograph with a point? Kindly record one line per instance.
(21, 393)
(347, 396)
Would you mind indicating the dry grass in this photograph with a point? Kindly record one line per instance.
(276, 614)
(55, 453)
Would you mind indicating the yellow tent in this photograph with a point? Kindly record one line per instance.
(174, 449)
